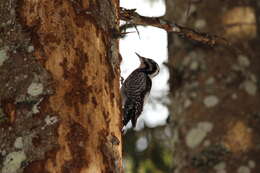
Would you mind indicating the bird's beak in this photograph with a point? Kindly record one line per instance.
(140, 57)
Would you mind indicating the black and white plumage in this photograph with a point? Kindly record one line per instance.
(136, 89)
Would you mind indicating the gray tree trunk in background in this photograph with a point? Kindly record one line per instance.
(215, 99)
(59, 94)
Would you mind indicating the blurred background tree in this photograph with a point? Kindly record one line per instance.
(214, 104)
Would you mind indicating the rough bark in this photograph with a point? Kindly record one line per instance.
(59, 95)
(215, 92)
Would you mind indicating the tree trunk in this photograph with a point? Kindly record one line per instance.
(59, 95)
(215, 92)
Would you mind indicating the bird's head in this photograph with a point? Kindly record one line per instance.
(149, 66)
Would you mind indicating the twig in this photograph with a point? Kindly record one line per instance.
(130, 15)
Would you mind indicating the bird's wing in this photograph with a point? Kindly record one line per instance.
(134, 89)
(136, 85)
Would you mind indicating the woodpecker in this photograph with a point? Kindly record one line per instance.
(136, 88)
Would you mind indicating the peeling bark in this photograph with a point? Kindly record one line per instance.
(60, 94)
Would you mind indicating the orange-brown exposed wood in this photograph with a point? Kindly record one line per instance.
(72, 41)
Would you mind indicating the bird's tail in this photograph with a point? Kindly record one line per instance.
(128, 111)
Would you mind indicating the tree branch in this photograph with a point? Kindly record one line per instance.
(129, 15)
